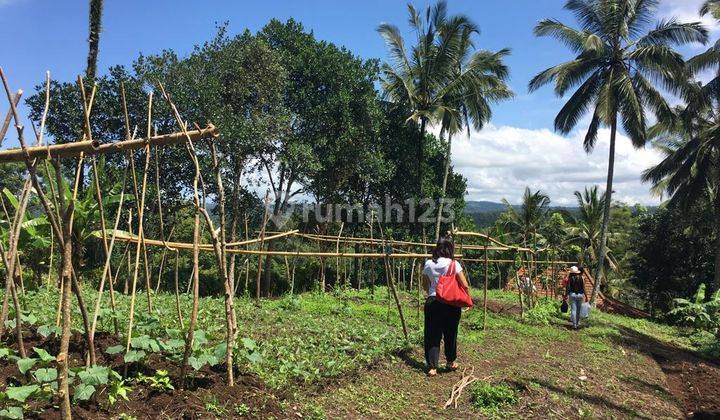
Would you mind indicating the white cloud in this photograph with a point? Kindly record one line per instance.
(499, 162)
(687, 11)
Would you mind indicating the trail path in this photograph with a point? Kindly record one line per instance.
(602, 371)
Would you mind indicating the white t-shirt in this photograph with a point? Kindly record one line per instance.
(436, 269)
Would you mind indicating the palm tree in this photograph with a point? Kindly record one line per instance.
(690, 171)
(586, 231)
(532, 215)
(486, 74)
(616, 64)
(712, 7)
(437, 69)
(94, 38)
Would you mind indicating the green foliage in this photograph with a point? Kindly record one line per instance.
(118, 389)
(699, 314)
(83, 392)
(160, 381)
(543, 312)
(12, 413)
(491, 399)
(46, 375)
(24, 365)
(21, 393)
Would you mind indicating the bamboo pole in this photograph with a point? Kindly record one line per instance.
(138, 248)
(196, 241)
(95, 147)
(108, 255)
(262, 243)
(485, 292)
(177, 290)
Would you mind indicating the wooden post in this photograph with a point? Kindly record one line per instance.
(262, 243)
(485, 291)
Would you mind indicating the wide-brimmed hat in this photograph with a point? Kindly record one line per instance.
(574, 270)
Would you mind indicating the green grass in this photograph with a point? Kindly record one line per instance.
(302, 341)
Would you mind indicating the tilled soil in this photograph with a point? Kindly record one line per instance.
(206, 394)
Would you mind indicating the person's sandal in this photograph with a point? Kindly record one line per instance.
(452, 367)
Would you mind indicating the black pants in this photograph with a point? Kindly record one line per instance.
(441, 322)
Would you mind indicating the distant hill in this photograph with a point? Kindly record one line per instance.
(485, 213)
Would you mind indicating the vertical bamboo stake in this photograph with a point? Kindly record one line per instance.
(485, 290)
(108, 255)
(140, 242)
(196, 245)
(337, 251)
(262, 244)
(177, 289)
(419, 293)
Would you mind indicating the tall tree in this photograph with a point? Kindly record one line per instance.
(587, 226)
(425, 77)
(690, 171)
(532, 215)
(616, 65)
(95, 20)
(480, 78)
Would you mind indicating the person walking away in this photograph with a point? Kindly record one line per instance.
(575, 293)
(441, 320)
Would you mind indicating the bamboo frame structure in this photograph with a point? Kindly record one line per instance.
(95, 147)
(60, 213)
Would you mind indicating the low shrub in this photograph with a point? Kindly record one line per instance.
(489, 398)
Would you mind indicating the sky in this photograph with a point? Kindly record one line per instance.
(518, 148)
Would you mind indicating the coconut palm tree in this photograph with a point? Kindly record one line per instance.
(690, 171)
(616, 66)
(587, 227)
(95, 19)
(440, 67)
(532, 215)
(470, 104)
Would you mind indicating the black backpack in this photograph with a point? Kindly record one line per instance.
(564, 307)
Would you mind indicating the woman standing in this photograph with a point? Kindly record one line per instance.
(575, 292)
(441, 319)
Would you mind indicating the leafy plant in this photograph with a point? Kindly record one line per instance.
(698, 314)
(491, 398)
(118, 389)
(160, 381)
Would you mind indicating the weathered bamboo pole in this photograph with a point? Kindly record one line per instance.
(177, 290)
(95, 147)
(107, 271)
(485, 292)
(138, 248)
(262, 244)
(196, 242)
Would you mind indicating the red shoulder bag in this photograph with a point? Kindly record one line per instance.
(451, 291)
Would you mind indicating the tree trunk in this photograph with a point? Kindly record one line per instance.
(95, 20)
(715, 286)
(420, 156)
(444, 188)
(606, 214)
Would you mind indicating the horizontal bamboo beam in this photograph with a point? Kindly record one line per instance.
(493, 240)
(267, 238)
(124, 237)
(368, 241)
(94, 147)
(331, 254)
(512, 261)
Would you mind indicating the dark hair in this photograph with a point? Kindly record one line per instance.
(444, 248)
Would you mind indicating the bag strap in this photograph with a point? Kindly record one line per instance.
(451, 269)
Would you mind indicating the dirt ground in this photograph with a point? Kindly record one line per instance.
(567, 374)
(635, 377)
(206, 395)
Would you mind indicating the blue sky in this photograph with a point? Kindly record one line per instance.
(51, 35)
